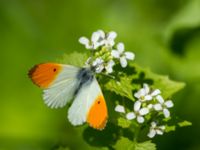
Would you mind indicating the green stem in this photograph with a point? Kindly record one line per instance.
(137, 132)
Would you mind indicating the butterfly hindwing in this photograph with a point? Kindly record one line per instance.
(58, 81)
(97, 114)
(89, 106)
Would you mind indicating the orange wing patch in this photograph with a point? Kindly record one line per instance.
(44, 74)
(97, 115)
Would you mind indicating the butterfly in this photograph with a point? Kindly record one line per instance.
(62, 83)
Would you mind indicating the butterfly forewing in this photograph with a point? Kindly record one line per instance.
(58, 81)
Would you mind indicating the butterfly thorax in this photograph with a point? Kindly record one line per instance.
(85, 76)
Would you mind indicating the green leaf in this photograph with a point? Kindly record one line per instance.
(170, 128)
(75, 58)
(167, 86)
(148, 145)
(184, 123)
(123, 87)
(124, 123)
(126, 144)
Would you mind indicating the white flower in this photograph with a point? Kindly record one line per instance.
(96, 40)
(109, 39)
(138, 112)
(163, 106)
(109, 66)
(144, 93)
(154, 129)
(99, 38)
(121, 55)
(120, 108)
(98, 64)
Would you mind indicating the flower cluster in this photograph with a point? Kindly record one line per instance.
(105, 53)
(148, 102)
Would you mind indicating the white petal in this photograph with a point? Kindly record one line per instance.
(158, 107)
(120, 108)
(109, 69)
(160, 99)
(110, 42)
(137, 95)
(155, 92)
(159, 132)
(101, 42)
(112, 35)
(151, 133)
(150, 106)
(140, 93)
(166, 113)
(95, 37)
(111, 63)
(153, 124)
(96, 45)
(148, 97)
(129, 55)
(120, 47)
(100, 60)
(97, 61)
(101, 33)
(146, 88)
(94, 63)
(115, 54)
(84, 40)
(109, 66)
(162, 128)
(140, 119)
(130, 115)
(169, 104)
(137, 106)
(99, 69)
(144, 111)
(123, 62)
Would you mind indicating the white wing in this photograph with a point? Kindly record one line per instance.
(87, 95)
(63, 88)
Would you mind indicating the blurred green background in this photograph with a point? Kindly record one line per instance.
(164, 34)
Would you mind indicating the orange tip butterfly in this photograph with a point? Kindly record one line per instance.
(62, 83)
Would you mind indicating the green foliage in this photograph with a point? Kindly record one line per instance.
(167, 86)
(126, 144)
(170, 128)
(122, 87)
(124, 123)
(148, 145)
(185, 123)
(126, 84)
(75, 58)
